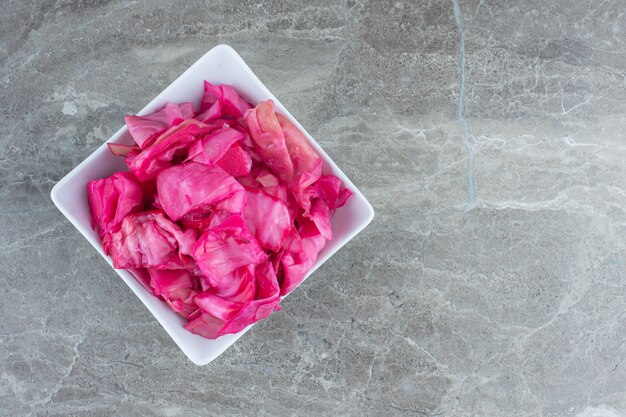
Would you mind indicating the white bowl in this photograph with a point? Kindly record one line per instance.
(221, 65)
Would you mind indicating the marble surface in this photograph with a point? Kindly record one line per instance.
(491, 282)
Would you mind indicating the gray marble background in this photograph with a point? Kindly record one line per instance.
(501, 298)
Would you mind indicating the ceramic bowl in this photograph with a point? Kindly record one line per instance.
(221, 65)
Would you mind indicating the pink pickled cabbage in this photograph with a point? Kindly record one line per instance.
(218, 316)
(143, 276)
(221, 101)
(110, 201)
(176, 288)
(236, 161)
(192, 187)
(269, 139)
(168, 281)
(182, 301)
(223, 212)
(213, 147)
(302, 155)
(144, 129)
(150, 240)
(268, 219)
(199, 221)
(226, 247)
(297, 264)
(237, 286)
(123, 150)
(172, 144)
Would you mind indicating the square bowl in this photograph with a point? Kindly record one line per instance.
(221, 65)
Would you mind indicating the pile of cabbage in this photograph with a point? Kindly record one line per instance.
(223, 210)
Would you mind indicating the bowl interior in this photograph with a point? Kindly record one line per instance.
(221, 65)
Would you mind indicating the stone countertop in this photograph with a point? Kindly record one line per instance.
(491, 282)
